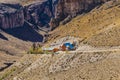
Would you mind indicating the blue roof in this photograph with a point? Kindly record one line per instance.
(69, 45)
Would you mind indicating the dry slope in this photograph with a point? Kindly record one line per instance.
(99, 27)
(11, 49)
(74, 66)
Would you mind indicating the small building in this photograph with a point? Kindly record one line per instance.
(48, 49)
(65, 47)
(69, 46)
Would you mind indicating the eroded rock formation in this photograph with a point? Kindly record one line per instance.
(66, 8)
(44, 13)
(74, 7)
(39, 13)
(11, 15)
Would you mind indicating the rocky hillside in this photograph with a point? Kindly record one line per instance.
(99, 27)
(67, 66)
(11, 49)
(14, 43)
(14, 19)
(97, 56)
(16, 36)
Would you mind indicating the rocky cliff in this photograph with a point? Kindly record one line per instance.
(74, 7)
(51, 12)
(39, 13)
(44, 13)
(11, 15)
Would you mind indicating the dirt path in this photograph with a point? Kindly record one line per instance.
(87, 48)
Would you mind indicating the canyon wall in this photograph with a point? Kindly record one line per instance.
(39, 13)
(51, 12)
(74, 7)
(65, 10)
(11, 15)
(44, 13)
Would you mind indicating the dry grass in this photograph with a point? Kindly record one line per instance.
(77, 66)
(12, 49)
(100, 27)
(109, 37)
(92, 24)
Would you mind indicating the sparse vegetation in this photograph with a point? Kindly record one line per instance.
(92, 24)
(39, 50)
(99, 27)
(36, 51)
(7, 73)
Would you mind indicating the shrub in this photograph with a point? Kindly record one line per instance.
(36, 51)
(5, 75)
(39, 51)
(47, 52)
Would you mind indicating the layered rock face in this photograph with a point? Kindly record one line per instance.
(11, 15)
(54, 11)
(74, 7)
(44, 13)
